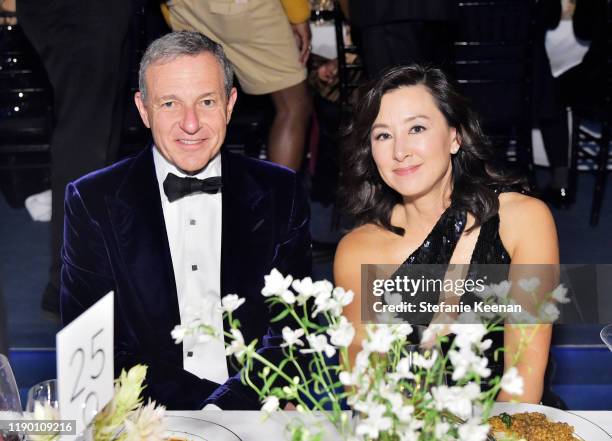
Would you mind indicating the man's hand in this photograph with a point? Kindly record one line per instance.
(301, 32)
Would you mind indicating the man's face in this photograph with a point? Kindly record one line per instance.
(186, 109)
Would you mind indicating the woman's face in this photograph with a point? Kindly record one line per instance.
(412, 142)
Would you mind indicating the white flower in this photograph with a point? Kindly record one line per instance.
(275, 284)
(403, 370)
(231, 302)
(204, 338)
(432, 331)
(323, 287)
(522, 317)
(45, 411)
(465, 361)
(402, 330)
(343, 297)
(404, 413)
(423, 361)
(237, 347)
(512, 382)
(387, 317)
(379, 339)
(342, 333)
(288, 296)
(325, 302)
(529, 285)
(410, 432)
(178, 333)
(549, 312)
(560, 294)
(392, 298)
(473, 430)
(375, 423)
(305, 289)
(318, 344)
(362, 361)
(467, 335)
(146, 423)
(502, 289)
(441, 429)
(456, 399)
(271, 404)
(292, 337)
(348, 378)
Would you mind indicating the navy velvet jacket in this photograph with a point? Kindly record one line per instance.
(115, 239)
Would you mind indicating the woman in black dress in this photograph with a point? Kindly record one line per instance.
(420, 180)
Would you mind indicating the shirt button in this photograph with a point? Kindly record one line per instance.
(194, 267)
(192, 222)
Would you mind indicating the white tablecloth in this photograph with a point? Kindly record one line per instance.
(249, 426)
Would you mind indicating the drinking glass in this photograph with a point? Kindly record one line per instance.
(10, 404)
(43, 400)
(606, 336)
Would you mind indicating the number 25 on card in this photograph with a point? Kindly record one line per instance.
(85, 363)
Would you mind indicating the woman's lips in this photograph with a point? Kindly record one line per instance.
(405, 171)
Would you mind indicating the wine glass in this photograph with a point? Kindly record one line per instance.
(606, 336)
(43, 401)
(10, 404)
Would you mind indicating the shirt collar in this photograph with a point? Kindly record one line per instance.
(163, 167)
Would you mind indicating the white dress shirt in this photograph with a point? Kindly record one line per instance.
(193, 225)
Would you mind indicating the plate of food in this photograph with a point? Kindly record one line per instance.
(534, 422)
(179, 428)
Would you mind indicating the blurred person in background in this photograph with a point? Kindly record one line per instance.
(569, 70)
(402, 32)
(268, 43)
(83, 46)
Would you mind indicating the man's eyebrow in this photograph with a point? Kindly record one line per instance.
(208, 94)
(174, 97)
(410, 118)
(168, 97)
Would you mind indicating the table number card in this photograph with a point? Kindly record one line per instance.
(85, 363)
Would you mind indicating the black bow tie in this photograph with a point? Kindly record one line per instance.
(176, 187)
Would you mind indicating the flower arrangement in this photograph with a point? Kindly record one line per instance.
(124, 418)
(397, 391)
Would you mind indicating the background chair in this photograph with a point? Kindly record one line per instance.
(493, 45)
(600, 113)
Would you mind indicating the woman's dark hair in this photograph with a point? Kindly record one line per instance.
(476, 174)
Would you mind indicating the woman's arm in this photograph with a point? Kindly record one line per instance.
(528, 230)
(347, 274)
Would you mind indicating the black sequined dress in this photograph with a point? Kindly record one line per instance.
(438, 249)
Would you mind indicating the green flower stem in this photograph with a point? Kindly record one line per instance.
(318, 359)
(273, 367)
(317, 356)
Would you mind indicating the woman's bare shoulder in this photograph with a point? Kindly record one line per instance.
(360, 242)
(526, 223)
(522, 208)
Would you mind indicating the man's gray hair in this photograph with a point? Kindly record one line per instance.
(176, 44)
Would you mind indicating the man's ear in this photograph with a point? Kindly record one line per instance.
(142, 109)
(231, 101)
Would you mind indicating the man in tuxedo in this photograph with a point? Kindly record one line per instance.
(179, 226)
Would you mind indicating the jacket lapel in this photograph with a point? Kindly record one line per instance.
(137, 219)
(247, 244)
